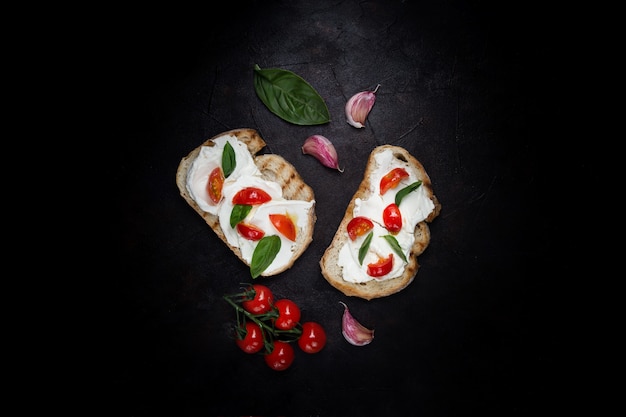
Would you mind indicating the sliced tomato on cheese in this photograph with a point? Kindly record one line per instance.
(380, 268)
(215, 184)
(285, 225)
(392, 179)
(358, 226)
(251, 196)
(392, 218)
(250, 231)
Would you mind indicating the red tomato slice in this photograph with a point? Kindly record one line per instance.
(392, 179)
(358, 226)
(215, 184)
(251, 196)
(392, 218)
(249, 231)
(380, 268)
(284, 225)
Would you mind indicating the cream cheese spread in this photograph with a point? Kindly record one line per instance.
(415, 207)
(209, 158)
(245, 174)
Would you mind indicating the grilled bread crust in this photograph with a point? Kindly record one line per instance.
(273, 168)
(369, 290)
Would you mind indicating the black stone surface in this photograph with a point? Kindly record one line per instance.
(468, 87)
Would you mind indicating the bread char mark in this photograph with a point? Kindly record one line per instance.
(280, 171)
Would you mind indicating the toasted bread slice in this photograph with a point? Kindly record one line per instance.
(369, 288)
(273, 168)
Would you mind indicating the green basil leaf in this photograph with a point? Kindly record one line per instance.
(228, 159)
(240, 211)
(393, 242)
(403, 192)
(290, 97)
(364, 247)
(264, 254)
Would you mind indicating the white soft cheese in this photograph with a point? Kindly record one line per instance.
(208, 159)
(246, 174)
(298, 210)
(415, 207)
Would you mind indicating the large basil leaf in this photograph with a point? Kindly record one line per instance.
(365, 247)
(228, 159)
(403, 192)
(240, 211)
(290, 97)
(264, 254)
(393, 242)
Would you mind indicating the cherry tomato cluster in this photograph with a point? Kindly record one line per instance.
(269, 327)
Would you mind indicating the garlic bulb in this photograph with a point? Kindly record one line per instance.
(353, 331)
(359, 107)
(321, 148)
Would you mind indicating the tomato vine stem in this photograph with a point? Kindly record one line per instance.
(259, 319)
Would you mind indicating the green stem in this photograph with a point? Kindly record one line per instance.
(296, 331)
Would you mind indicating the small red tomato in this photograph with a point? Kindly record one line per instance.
(252, 341)
(215, 184)
(313, 338)
(392, 218)
(281, 357)
(260, 299)
(358, 226)
(284, 225)
(288, 314)
(380, 268)
(250, 231)
(251, 196)
(392, 179)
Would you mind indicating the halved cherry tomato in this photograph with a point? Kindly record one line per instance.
(259, 299)
(392, 179)
(252, 341)
(380, 268)
(215, 184)
(313, 338)
(392, 218)
(284, 225)
(250, 231)
(251, 196)
(358, 226)
(288, 314)
(281, 357)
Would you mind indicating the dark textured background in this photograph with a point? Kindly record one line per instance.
(468, 87)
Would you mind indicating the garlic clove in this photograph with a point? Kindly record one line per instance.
(353, 331)
(359, 107)
(322, 148)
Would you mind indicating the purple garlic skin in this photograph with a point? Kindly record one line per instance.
(359, 107)
(322, 148)
(354, 332)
